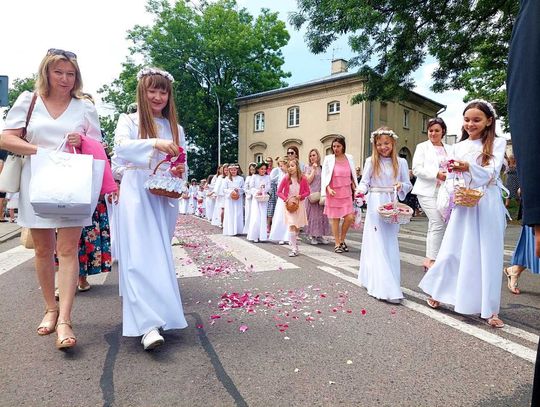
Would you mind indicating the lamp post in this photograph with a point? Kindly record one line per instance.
(213, 90)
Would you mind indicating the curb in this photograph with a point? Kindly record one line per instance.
(10, 235)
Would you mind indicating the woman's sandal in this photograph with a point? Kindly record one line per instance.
(512, 286)
(433, 303)
(47, 327)
(338, 249)
(66, 342)
(495, 322)
(344, 247)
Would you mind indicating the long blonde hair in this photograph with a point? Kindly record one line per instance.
(298, 170)
(147, 125)
(375, 158)
(43, 86)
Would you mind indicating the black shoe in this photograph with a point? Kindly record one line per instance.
(344, 247)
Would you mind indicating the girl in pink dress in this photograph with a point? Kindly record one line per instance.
(294, 186)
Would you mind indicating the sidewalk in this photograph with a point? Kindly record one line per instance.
(9, 231)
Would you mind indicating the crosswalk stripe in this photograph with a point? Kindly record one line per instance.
(13, 257)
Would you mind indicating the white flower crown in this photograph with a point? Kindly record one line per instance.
(388, 133)
(154, 71)
(485, 102)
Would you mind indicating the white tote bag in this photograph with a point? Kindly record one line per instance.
(64, 185)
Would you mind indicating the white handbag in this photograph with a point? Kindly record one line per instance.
(314, 197)
(10, 177)
(64, 185)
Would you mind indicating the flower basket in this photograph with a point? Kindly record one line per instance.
(200, 200)
(262, 197)
(395, 212)
(164, 184)
(466, 196)
(235, 195)
(292, 205)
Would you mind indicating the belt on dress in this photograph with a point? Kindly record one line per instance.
(381, 189)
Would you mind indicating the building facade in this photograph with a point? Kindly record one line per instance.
(312, 114)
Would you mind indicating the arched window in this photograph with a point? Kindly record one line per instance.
(293, 116)
(406, 153)
(259, 121)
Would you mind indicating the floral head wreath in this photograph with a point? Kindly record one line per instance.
(485, 102)
(154, 71)
(388, 133)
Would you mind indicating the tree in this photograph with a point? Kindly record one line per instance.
(215, 50)
(468, 38)
(19, 86)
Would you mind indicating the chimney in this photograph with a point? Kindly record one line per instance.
(339, 66)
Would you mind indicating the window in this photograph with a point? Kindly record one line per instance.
(259, 121)
(383, 114)
(334, 107)
(406, 118)
(424, 124)
(293, 115)
(258, 158)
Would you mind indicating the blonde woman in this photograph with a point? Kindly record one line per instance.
(59, 109)
(318, 226)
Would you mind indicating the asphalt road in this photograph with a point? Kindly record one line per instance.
(300, 332)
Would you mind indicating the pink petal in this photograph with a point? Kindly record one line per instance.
(215, 316)
(363, 311)
(200, 326)
(243, 328)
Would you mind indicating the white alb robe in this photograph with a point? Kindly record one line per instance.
(247, 202)
(146, 223)
(257, 229)
(467, 271)
(380, 271)
(279, 230)
(218, 205)
(233, 218)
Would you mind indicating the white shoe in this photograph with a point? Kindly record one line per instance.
(152, 339)
(256, 241)
(293, 253)
(323, 240)
(313, 240)
(281, 243)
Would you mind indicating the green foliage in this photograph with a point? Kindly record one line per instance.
(213, 50)
(19, 86)
(468, 38)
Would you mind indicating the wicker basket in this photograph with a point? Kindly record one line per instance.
(466, 196)
(262, 197)
(155, 184)
(235, 195)
(200, 200)
(292, 205)
(395, 212)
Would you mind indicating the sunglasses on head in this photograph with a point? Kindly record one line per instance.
(67, 54)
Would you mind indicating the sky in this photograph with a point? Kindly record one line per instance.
(96, 31)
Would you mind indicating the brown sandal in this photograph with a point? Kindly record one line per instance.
(512, 286)
(433, 303)
(47, 328)
(66, 342)
(495, 322)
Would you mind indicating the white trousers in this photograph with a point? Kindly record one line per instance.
(436, 225)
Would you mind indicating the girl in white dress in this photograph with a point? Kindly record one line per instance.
(279, 232)
(59, 109)
(383, 172)
(257, 231)
(467, 271)
(217, 216)
(211, 196)
(148, 284)
(192, 203)
(184, 200)
(201, 194)
(248, 197)
(233, 192)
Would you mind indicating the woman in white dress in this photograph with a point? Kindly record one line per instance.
(383, 172)
(429, 166)
(279, 232)
(247, 194)
(148, 284)
(59, 109)
(217, 216)
(467, 271)
(233, 192)
(260, 190)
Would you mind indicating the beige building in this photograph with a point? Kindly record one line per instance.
(312, 114)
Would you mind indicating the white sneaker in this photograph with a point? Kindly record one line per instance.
(323, 240)
(313, 240)
(293, 253)
(281, 243)
(152, 339)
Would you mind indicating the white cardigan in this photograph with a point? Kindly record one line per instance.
(425, 166)
(328, 168)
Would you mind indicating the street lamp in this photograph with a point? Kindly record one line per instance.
(213, 90)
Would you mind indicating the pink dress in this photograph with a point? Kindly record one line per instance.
(341, 204)
(299, 217)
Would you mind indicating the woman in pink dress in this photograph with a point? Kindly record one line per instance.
(338, 181)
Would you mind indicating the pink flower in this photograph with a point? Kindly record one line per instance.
(363, 311)
(243, 328)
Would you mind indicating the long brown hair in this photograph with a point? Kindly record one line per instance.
(375, 159)
(147, 125)
(488, 135)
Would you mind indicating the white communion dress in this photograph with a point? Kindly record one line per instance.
(233, 217)
(380, 271)
(146, 223)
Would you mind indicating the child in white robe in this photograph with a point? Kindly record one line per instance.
(248, 196)
(257, 231)
(184, 200)
(211, 196)
(233, 192)
(279, 232)
(217, 216)
(146, 222)
(201, 194)
(384, 173)
(192, 204)
(467, 271)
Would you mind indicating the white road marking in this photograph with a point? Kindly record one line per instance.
(14, 257)
(184, 266)
(516, 349)
(252, 254)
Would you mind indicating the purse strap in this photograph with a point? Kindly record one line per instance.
(29, 114)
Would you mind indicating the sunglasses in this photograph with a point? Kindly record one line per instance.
(67, 54)
(290, 152)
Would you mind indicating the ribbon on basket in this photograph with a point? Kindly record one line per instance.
(165, 183)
